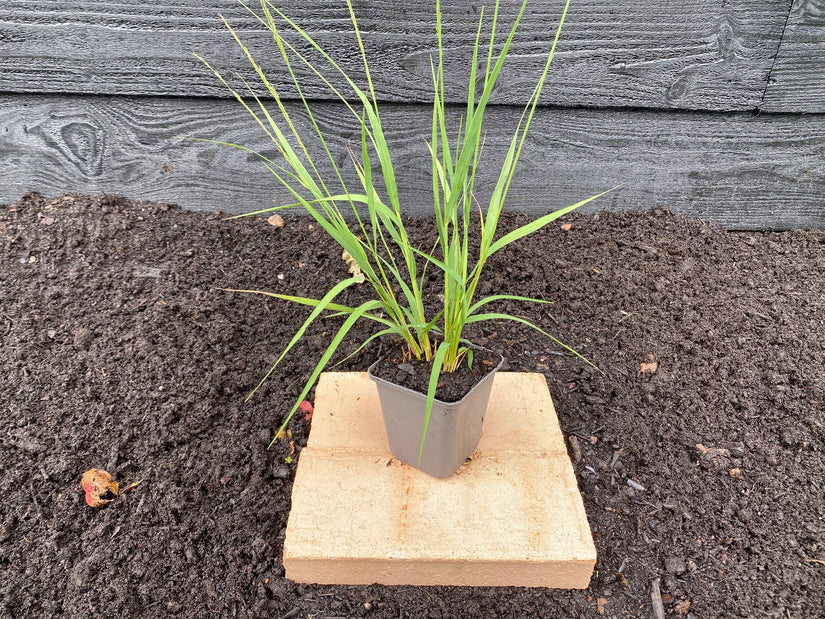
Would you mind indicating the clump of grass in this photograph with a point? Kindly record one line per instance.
(379, 244)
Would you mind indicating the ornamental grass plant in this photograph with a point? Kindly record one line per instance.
(378, 242)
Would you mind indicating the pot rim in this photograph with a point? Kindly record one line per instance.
(492, 371)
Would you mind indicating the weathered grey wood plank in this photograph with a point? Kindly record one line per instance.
(740, 170)
(797, 81)
(703, 54)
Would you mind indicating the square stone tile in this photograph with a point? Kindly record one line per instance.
(513, 516)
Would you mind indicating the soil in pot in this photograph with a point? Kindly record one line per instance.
(395, 366)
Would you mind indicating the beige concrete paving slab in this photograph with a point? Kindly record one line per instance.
(513, 516)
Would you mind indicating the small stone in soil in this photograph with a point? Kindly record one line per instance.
(280, 472)
(675, 565)
(407, 367)
(635, 485)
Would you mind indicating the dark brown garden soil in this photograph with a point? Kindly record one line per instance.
(120, 352)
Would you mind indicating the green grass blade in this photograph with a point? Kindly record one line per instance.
(320, 305)
(539, 223)
(365, 343)
(335, 198)
(497, 316)
(333, 346)
(472, 131)
(435, 372)
(334, 307)
(502, 297)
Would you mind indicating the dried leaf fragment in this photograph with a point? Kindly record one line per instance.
(683, 607)
(99, 487)
(353, 266)
(600, 604)
(712, 453)
(575, 448)
(649, 368)
(276, 221)
(129, 488)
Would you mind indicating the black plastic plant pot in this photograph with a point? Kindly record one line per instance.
(452, 433)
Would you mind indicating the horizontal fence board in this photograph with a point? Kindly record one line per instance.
(797, 81)
(740, 170)
(703, 54)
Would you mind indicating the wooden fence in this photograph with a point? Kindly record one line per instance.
(712, 108)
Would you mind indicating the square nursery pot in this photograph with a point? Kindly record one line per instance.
(452, 433)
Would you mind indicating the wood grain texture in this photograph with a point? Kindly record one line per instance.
(740, 170)
(797, 81)
(702, 54)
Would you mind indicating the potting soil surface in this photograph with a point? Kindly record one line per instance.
(699, 452)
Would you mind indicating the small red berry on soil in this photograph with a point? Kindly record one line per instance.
(306, 408)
